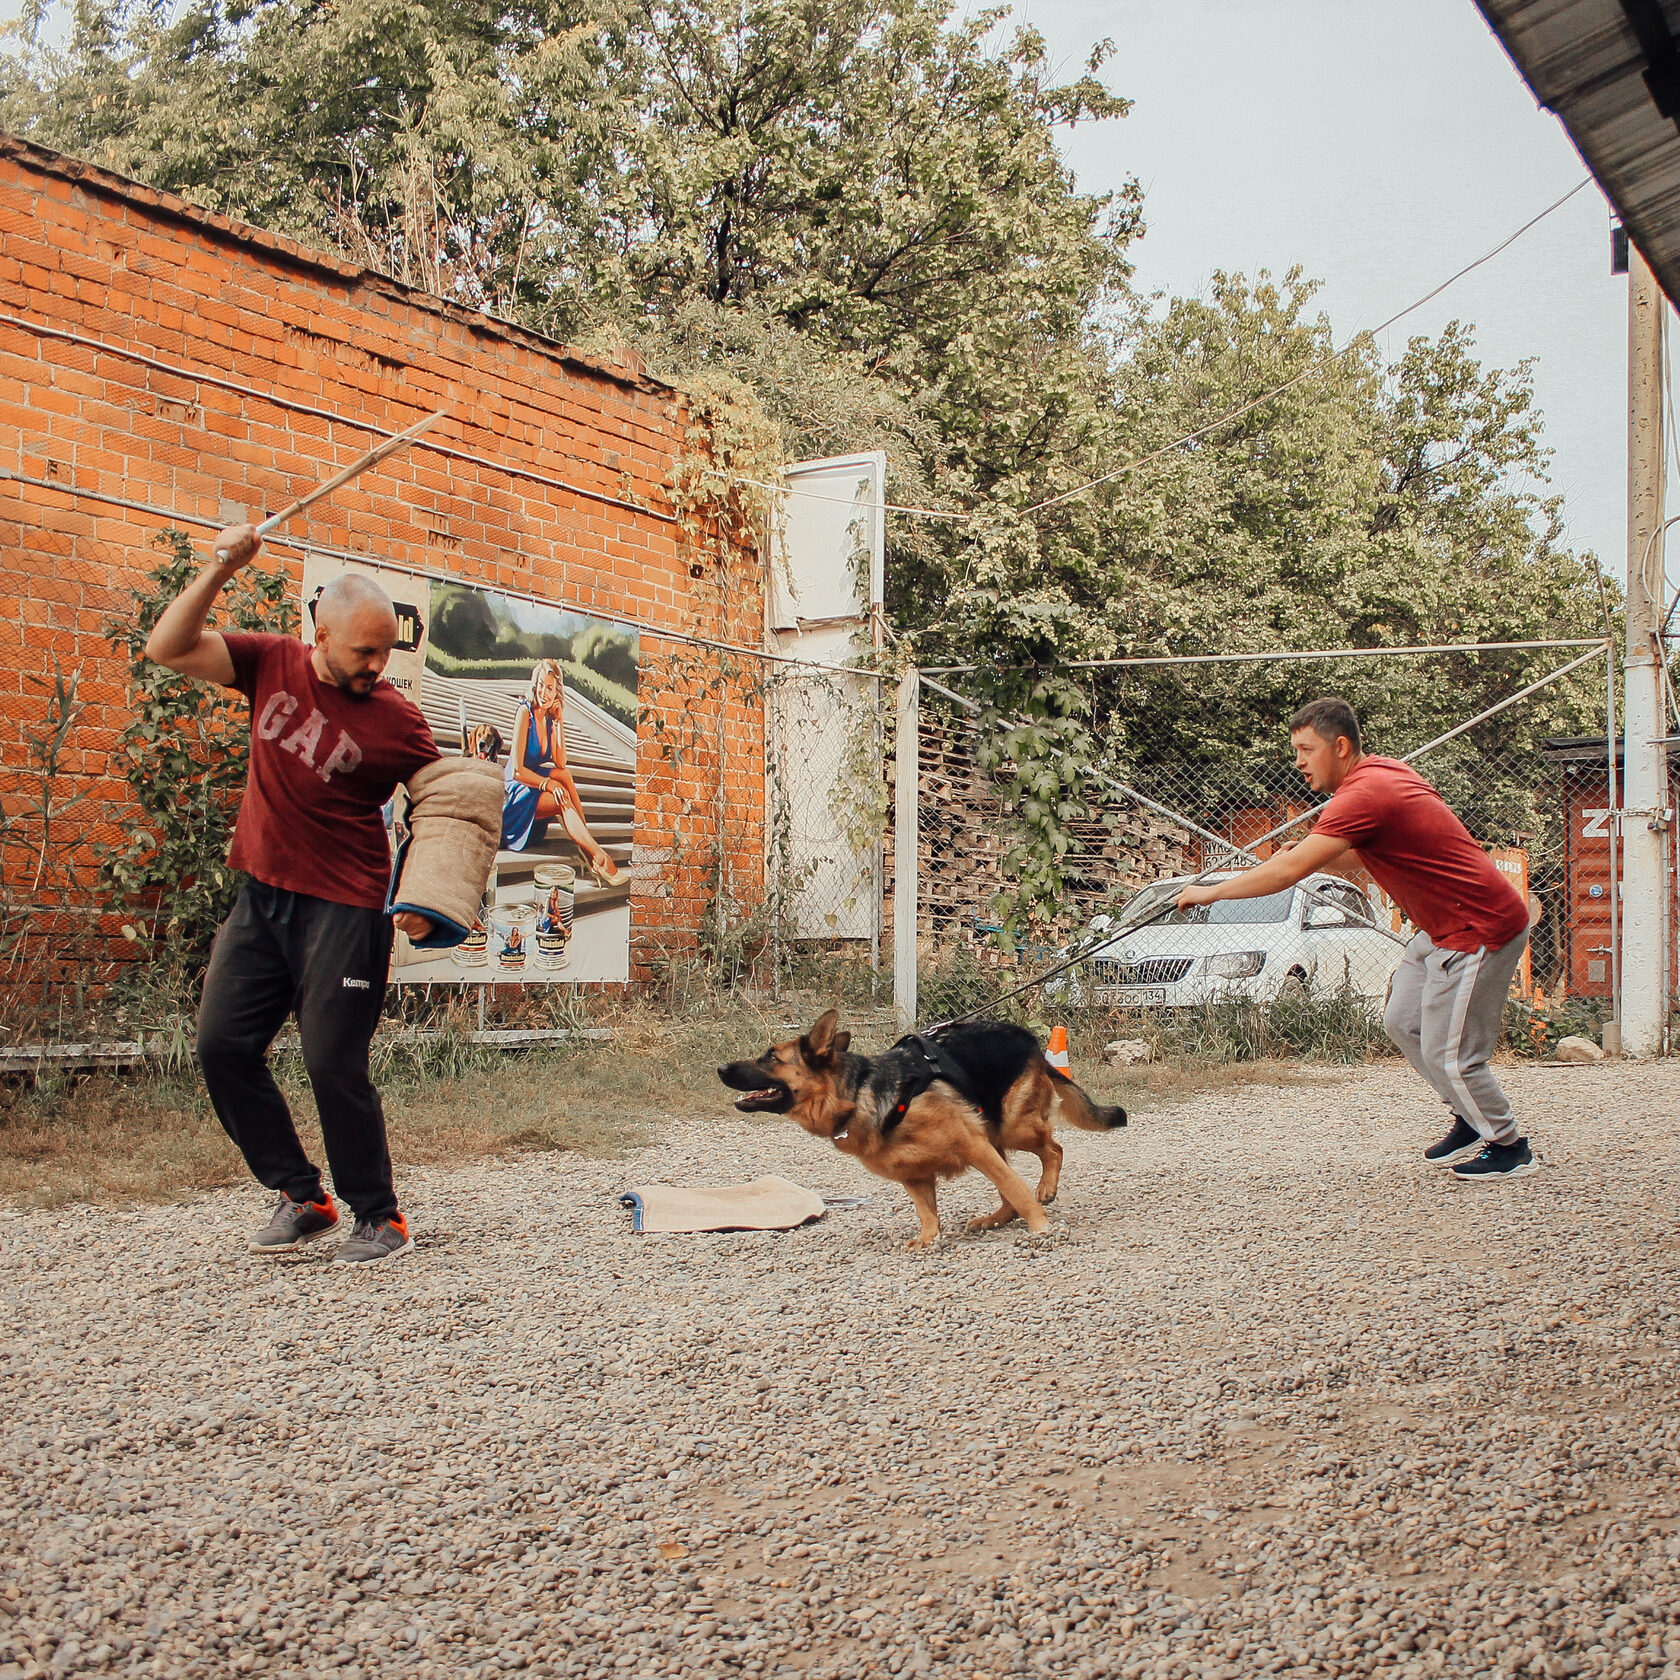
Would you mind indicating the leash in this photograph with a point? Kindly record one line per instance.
(1126, 933)
(1079, 956)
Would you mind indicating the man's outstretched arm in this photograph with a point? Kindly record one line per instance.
(179, 639)
(1280, 870)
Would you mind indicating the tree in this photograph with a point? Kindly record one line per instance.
(872, 171)
(1363, 505)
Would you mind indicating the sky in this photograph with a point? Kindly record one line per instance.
(1381, 147)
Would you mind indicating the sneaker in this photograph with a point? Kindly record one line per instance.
(292, 1224)
(1459, 1144)
(1499, 1161)
(374, 1240)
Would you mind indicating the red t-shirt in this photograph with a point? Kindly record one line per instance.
(1422, 856)
(323, 762)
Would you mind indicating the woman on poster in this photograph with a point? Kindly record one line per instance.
(539, 789)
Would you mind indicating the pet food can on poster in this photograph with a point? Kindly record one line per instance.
(556, 902)
(553, 949)
(474, 950)
(556, 894)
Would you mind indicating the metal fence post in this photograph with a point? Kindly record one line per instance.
(1644, 759)
(907, 845)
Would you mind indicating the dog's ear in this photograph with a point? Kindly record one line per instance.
(819, 1041)
(841, 1040)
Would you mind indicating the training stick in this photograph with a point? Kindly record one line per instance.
(386, 447)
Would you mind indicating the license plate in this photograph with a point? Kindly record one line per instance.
(1132, 994)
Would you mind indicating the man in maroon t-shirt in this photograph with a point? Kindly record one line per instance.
(1448, 998)
(330, 742)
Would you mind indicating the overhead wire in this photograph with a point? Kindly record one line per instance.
(303, 545)
(292, 405)
(1283, 654)
(844, 501)
(1314, 368)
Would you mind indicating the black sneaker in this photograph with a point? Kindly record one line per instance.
(374, 1240)
(1497, 1162)
(292, 1224)
(1459, 1144)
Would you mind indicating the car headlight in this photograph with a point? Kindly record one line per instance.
(1237, 965)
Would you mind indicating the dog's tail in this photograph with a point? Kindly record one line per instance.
(1077, 1109)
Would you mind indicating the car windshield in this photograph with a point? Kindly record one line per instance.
(1227, 912)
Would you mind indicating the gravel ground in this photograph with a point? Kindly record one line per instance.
(1273, 1397)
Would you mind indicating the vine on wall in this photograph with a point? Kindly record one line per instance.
(183, 754)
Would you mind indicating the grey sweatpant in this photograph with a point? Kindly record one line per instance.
(1444, 1013)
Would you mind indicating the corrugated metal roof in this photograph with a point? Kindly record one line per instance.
(1601, 66)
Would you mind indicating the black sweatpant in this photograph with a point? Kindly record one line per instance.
(282, 951)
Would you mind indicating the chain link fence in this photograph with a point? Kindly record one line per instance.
(1312, 962)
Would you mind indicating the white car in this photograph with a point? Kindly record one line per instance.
(1253, 947)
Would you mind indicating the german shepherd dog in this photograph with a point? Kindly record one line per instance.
(852, 1101)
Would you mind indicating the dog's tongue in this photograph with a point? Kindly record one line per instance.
(755, 1096)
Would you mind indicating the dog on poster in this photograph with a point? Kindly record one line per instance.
(930, 1108)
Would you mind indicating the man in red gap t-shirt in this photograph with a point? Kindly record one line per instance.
(330, 741)
(1448, 998)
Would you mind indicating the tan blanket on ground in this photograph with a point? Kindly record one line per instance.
(767, 1204)
(455, 823)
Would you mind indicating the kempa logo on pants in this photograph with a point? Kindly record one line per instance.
(358, 985)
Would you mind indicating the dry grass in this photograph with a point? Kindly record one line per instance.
(111, 1140)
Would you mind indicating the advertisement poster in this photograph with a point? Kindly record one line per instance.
(408, 595)
(549, 697)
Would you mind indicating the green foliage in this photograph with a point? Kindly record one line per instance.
(463, 626)
(40, 851)
(1034, 740)
(1327, 1026)
(184, 756)
(31, 819)
(1533, 1026)
(611, 697)
(609, 651)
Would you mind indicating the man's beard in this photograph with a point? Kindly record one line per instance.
(348, 682)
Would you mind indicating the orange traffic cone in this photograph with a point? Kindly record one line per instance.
(1057, 1054)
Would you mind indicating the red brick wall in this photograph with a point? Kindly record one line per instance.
(107, 260)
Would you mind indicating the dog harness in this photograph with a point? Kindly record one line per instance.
(930, 1060)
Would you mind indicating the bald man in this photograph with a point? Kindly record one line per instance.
(330, 742)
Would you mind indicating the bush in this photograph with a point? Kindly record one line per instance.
(1533, 1026)
(1329, 1026)
(184, 756)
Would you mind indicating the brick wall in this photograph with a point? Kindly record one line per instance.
(557, 486)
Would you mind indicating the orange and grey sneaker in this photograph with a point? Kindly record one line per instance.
(374, 1240)
(292, 1224)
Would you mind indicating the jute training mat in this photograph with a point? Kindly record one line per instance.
(767, 1204)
